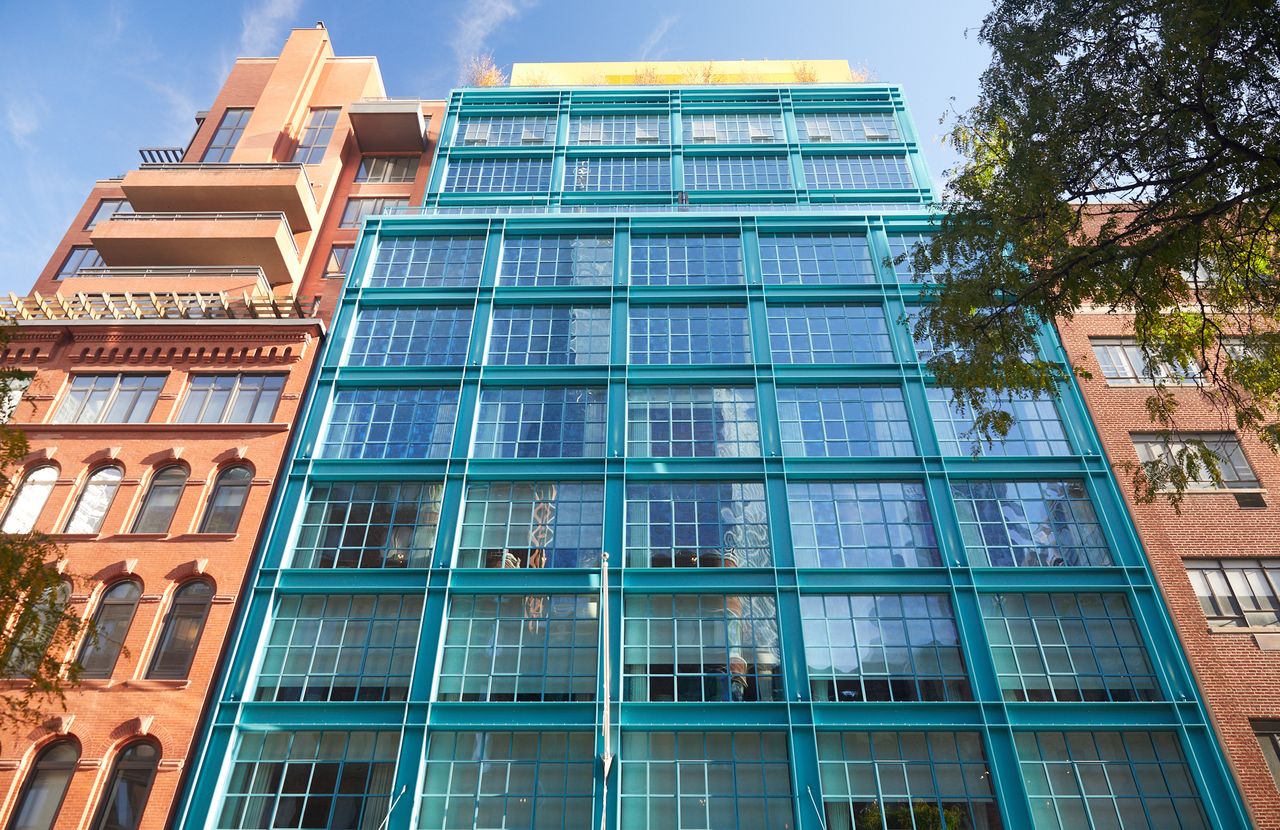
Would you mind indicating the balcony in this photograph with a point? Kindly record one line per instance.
(200, 187)
(388, 125)
(197, 278)
(201, 239)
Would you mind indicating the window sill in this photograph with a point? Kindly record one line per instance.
(203, 537)
(136, 537)
(150, 684)
(73, 537)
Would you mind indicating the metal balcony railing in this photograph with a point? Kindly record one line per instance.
(173, 271)
(205, 216)
(162, 155)
(227, 165)
(730, 209)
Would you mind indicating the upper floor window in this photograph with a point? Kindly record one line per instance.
(227, 136)
(183, 625)
(162, 500)
(732, 128)
(339, 262)
(1237, 593)
(861, 524)
(36, 625)
(231, 399)
(556, 260)
(697, 524)
(106, 209)
(619, 129)
(815, 259)
(11, 393)
(822, 333)
(388, 169)
(596, 174)
(315, 138)
(843, 421)
(851, 172)
(411, 422)
(1125, 364)
(1037, 429)
(540, 422)
(1268, 734)
(903, 245)
(125, 796)
(368, 524)
(531, 524)
(110, 399)
(414, 336)
(686, 259)
(548, 335)
(1233, 467)
(95, 500)
(80, 256)
(110, 627)
(1029, 523)
(428, 262)
(737, 173)
(516, 175)
(226, 502)
(46, 787)
(692, 422)
(847, 126)
(505, 130)
(29, 500)
(670, 335)
(357, 208)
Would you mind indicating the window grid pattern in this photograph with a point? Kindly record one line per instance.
(359, 207)
(816, 259)
(906, 781)
(692, 422)
(547, 422)
(110, 399)
(733, 128)
(507, 780)
(902, 245)
(520, 648)
(1233, 467)
(1124, 364)
(532, 524)
(1237, 593)
(861, 524)
(1037, 429)
(81, 256)
(737, 173)
(556, 260)
(689, 334)
(693, 780)
(106, 209)
(232, 399)
(849, 172)
(619, 130)
(428, 262)
(498, 176)
(847, 127)
(505, 130)
(388, 169)
(1109, 779)
(686, 260)
(596, 174)
(391, 423)
(335, 647)
(309, 779)
(227, 136)
(813, 333)
(1068, 647)
(843, 421)
(1029, 523)
(703, 524)
(701, 648)
(368, 524)
(411, 337)
(549, 335)
(869, 647)
(315, 139)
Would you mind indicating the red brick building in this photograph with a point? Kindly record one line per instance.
(1215, 560)
(169, 342)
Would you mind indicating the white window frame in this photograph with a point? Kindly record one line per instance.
(1234, 467)
(817, 130)
(646, 134)
(703, 131)
(1122, 353)
(476, 134)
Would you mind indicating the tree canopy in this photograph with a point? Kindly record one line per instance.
(1123, 154)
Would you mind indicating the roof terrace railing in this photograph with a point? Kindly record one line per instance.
(162, 155)
(733, 209)
(207, 216)
(138, 306)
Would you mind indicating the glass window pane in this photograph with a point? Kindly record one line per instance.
(686, 259)
(1238, 593)
(848, 127)
(391, 423)
(98, 493)
(702, 524)
(387, 169)
(813, 333)
(226, 503)
(737, 173)
(183, 625)
(619, 129)
(368, 524)
(231, 399)
(161, 501)
(1233, 468)
(596, 174)
(816, 259)
(505, 130)
(843, 421)
(542, 524)
(359, 207)
(902, 245)
(118, 399)
(689, 334)
(126, 793)
(857, 172)
(1037, 430)
(227, 136)
(522, 175)
(111, 623)
(733, 128)
(427, 262)
(556, 260)
(540, 422)
(30, 500)
(45, 788)
(1029, 523)
(549, 335)
(432, 336)
(692, 422)
(861, 524)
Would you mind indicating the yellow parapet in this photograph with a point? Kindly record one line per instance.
(627, 73)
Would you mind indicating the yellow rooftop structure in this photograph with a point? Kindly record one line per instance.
(627, 73)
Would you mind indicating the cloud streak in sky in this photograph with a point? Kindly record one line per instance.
(477, 22)
(263, 26)
(655, 37)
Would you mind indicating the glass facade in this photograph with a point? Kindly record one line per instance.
(649, 516)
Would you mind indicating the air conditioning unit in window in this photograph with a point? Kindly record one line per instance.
(818, 131)
(476, 135)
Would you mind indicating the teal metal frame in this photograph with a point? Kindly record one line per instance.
(1180, 709)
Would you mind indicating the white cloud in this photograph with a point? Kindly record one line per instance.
(478, 20)
(263, 26)
(655, 37)
(23, 116)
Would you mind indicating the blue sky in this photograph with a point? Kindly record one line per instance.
(84, 85)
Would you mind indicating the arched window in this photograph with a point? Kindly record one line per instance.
(162, 500)
(45, 788)
(181, 633)
(222, 514)
(110, 626)
(34, 631)
(95, 500)
(29, 500)
(125, 796)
